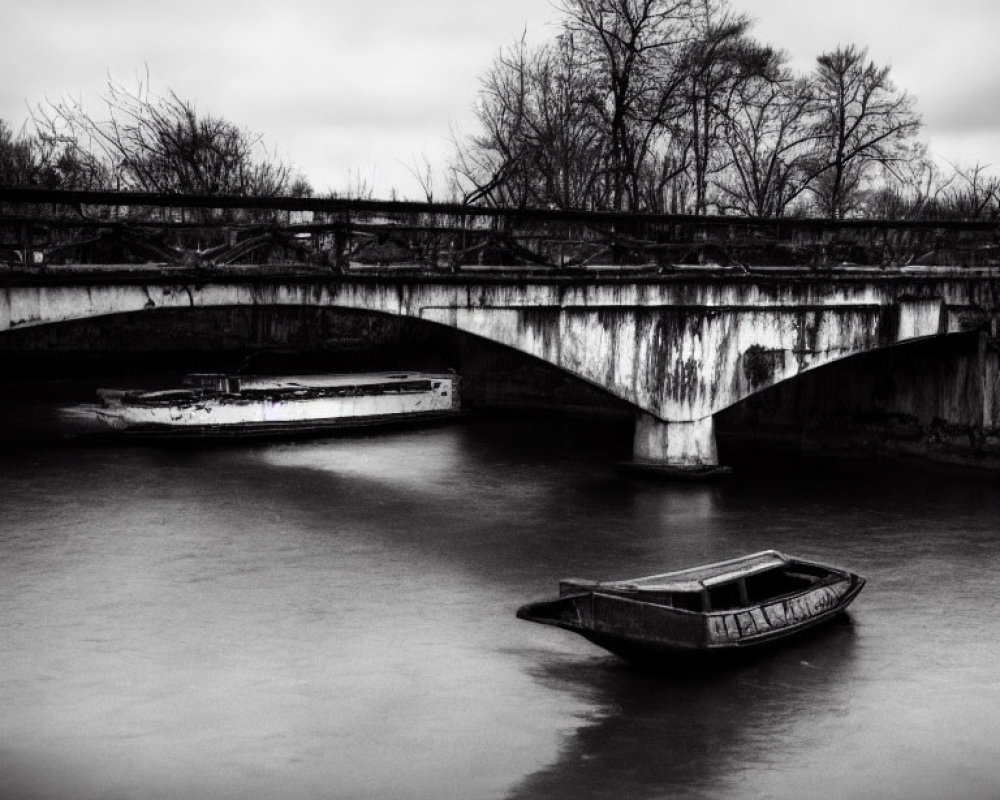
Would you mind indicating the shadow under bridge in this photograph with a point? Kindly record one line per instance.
(679, 347)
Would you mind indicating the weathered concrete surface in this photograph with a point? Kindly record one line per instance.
(680, 444)
(936, 399)
(680, 348)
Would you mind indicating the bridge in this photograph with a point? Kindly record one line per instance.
(676, 316)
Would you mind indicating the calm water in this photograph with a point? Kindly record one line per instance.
(335, 619)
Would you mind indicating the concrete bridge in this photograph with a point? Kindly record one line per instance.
(680, 347)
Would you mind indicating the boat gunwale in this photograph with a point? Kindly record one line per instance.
(321, 379)
(755, 565)
(636, 598)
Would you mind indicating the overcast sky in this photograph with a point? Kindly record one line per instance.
(358, 89)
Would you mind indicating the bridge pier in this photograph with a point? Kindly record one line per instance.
(682, 449)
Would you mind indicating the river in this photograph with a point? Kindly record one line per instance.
(334, 618)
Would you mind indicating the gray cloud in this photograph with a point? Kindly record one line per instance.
(340, 87)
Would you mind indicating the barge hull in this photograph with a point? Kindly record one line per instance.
(262, 430)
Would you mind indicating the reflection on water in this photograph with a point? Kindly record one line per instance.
(692, 732)
(334, 618)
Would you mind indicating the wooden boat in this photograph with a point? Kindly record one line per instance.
(728, 606)
(212, 404)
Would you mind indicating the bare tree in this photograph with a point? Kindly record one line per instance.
(664, 181)
(972, 194)
(626, 110)
(671, 105)
(423, 173)
(44, 159)
(489, 166)
(19, 158)
(719, 60)
(632, 45)
(769, 136)
(569, 142)
(540, 143)
(911, 190)
(161, 143)
(862, 120)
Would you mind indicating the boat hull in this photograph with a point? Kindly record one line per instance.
(292, 406)
(262, 430)
(644, 631)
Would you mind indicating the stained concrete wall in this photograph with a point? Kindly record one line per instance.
(156, 350)
(938, 399)
(680, 349)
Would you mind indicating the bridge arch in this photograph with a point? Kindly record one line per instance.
(679, 349)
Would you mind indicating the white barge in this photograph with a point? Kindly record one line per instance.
(211, 404)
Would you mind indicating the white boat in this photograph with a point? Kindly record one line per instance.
(216, 404)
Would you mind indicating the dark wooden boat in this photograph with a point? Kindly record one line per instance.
(728, 606)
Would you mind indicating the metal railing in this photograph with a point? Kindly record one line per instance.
(40, 227)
